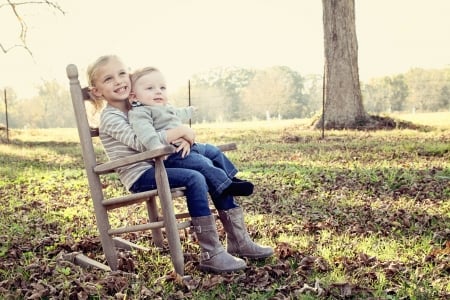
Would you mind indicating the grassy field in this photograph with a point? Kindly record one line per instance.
(356, 215)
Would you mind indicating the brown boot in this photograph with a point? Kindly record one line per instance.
(214, 258)
(238, 240)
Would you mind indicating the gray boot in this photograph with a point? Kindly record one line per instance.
(214, 258)
(238, 239)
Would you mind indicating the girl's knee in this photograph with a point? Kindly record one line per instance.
(197, 178)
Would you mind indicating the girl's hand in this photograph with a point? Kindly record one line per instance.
(189, 135)
(183, 146)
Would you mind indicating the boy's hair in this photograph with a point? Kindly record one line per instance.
(141, 72)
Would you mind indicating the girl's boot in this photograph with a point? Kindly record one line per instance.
(214, 258)
(238, 239)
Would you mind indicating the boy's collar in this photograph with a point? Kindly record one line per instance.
(136, 104)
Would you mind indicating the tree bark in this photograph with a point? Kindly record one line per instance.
(343, 106)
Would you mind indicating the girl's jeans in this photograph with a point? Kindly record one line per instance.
(196, 190)
(209, 161)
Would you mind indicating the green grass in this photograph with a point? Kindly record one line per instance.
(357, 215)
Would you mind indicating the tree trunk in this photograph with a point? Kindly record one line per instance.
(343, 101)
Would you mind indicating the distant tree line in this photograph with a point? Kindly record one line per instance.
(235, 94)
(280, 92)
(418, 90)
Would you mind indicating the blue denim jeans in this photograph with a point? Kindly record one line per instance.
(196, 190)
(211, 162)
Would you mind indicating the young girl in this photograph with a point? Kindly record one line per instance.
(109, 80)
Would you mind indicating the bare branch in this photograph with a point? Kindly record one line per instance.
(46, 2)
(6, 50)
(23, 24)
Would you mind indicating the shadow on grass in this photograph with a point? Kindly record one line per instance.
(45, 155)
(382, 201)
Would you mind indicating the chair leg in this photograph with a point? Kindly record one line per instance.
(170, 221)
(152, 209)
(107, 241)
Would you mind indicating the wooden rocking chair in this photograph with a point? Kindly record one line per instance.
(109, 237)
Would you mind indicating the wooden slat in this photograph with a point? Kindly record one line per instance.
(86, 94)
(137, 198)
(147, 155)
(127, 245)
(82, 260)
(94, 132)
(146, 226)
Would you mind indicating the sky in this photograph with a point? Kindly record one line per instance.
(185, 37)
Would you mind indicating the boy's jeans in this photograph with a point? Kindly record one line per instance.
(209, 161)
(196, 190)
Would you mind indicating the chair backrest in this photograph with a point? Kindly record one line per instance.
(85, 132)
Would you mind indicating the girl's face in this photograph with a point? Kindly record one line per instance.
(112, 82)
(150, 89)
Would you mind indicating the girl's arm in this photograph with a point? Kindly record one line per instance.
(114, 123)
(180, 132)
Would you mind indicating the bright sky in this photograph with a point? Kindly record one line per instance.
(184, 37)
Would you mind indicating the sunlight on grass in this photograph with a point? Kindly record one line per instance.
(368, 210)
(298, 241)
(389, 249)
(438, 119)
(331, 246)
(46, 135)
(337, 275)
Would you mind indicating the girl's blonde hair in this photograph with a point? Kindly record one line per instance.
(93, 68)
(96, 105)
(141, 72)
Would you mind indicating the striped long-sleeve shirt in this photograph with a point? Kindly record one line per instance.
(119, 140)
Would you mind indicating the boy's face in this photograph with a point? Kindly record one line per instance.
(112, 82)
(150, 89)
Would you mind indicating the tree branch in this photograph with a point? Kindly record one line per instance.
(23, 24)
(49, 3)
(6, 50)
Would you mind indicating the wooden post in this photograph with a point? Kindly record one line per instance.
(6, 115)
(189, 98)
(323, 102)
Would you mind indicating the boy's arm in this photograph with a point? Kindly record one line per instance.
(185, 113)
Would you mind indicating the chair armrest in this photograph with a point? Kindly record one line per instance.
(227, 147)
(108, 167)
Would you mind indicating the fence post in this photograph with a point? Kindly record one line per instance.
(6, 115)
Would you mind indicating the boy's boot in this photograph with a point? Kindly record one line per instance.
(214, 258)
(238, 239)
(239, 188)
